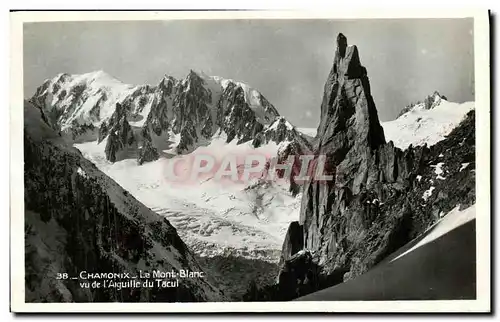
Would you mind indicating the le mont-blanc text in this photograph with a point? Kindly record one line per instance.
(156, 274)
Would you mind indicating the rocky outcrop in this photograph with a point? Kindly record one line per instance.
(147, 153)
(192, 104)
(82, 132)
(291, 146)
(430, 102)
(237, 119)
(121, 138)
(293, 241)
(292, 151)
(77, 219)
(189, 137)
(281, 131)
(378, 198)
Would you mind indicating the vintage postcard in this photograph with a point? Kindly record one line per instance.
(250, 161)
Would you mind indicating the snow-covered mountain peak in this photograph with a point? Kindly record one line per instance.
(264, 111)
(98, 79)
(426, 122)
(168, 84)
(283, 122)
(431, 101)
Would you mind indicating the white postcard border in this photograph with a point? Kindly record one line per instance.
(483, 177)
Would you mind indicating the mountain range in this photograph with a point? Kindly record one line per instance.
(144, 121)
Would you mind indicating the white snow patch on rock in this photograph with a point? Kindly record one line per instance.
(274, 125)
(438, 170)
(428, 193)
(464, 165)
(81, 172)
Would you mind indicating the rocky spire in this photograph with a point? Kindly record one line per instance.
(349, 128)
(343, 225)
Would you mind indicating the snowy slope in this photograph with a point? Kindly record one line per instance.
(440, 265)
(421, 126)
(179, 119)
(452, 220)
(213, 217)
(76, 97)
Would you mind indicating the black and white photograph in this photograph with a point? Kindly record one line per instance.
(244, 160)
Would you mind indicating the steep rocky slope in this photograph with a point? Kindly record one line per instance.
(380, 197)
(78, 219)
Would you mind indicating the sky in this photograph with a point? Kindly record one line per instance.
(288, 61)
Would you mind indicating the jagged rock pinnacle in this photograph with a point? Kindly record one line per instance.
(342, 224)
(349, 121)
(347, 83)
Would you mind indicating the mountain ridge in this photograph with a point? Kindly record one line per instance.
(96, 106)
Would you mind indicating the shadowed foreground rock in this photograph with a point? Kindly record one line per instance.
(78, 219)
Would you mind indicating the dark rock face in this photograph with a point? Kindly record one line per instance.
(77, 219)
(82, 132)
(147, 153)
(191, 105)
(349, 135)
(237, 119)
(375, 202)
(158, 119)
(293, 241)
(298, 270)
(234, 274)
(120, 137)
(292, 150)
(189, 137)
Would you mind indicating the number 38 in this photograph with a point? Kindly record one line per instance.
(62, 276)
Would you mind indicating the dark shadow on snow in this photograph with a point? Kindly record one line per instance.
(444, 269)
